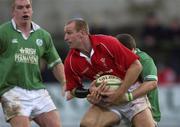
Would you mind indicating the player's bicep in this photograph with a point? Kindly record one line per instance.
(51, 55)
(149, 72)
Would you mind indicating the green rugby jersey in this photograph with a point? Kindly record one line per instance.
(20, 56)
(149, 73)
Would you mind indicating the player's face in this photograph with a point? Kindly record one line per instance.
(72, 36)
(22, 11)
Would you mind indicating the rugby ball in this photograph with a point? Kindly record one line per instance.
(113, 81)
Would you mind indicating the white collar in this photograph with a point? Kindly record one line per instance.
(91, 53)
(34, 26)
(86, 57)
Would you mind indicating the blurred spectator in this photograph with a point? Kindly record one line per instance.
(152, 32)
(174, 59)
(173, 32)
(166, 75)
(99, 29)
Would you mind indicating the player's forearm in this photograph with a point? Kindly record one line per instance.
(144, 89)
(58, 72)
(130, 77)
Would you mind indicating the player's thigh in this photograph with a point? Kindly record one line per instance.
(15, 103)
(20, 121)
(108, 118)
(124, 123)
(143, 119)
(91, 116)
(99, 117)
(48, 119)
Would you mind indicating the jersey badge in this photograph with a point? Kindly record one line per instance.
(103, 60)
(39, 42)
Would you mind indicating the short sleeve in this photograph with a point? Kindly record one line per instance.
(51, 55)
(149, 72)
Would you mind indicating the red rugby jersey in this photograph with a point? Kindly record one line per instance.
(108, 57)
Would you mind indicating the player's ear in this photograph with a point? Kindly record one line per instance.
(83, 32)
(80, 35)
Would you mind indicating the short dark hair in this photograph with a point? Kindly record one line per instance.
(80, 24)
(127, 40)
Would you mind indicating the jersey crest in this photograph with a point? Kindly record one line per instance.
(39, 42)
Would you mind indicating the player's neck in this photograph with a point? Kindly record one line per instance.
(87, 48)
(25, 28)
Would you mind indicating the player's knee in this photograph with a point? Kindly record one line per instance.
(109, 119)
(99, 123)
(88, 123)
(143, 119)
(50, 124)
(56, 124)
(108, 123)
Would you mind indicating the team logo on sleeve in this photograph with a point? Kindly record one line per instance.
(39, 42)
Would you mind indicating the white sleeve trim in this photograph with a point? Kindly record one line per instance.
(150, 77)
(55, 62)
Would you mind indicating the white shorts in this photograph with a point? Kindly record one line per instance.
(132, 108)
(22, 102)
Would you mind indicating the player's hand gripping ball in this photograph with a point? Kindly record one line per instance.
(113, 81)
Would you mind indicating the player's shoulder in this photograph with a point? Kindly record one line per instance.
(102, 37)
(5, 26)
(5, 29)
(105, 40)
(43, 31)
(143, 55)
(40, 30)
(71, 55)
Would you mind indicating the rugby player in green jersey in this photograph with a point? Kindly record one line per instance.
(22, 45)
(148, 77)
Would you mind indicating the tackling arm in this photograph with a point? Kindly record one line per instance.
(144, 89)
(116, 97)
(130, 77)
(148, 75)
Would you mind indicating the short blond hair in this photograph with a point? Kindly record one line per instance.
(13, 3)
(80, 24)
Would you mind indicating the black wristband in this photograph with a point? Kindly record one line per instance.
(80, 92)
